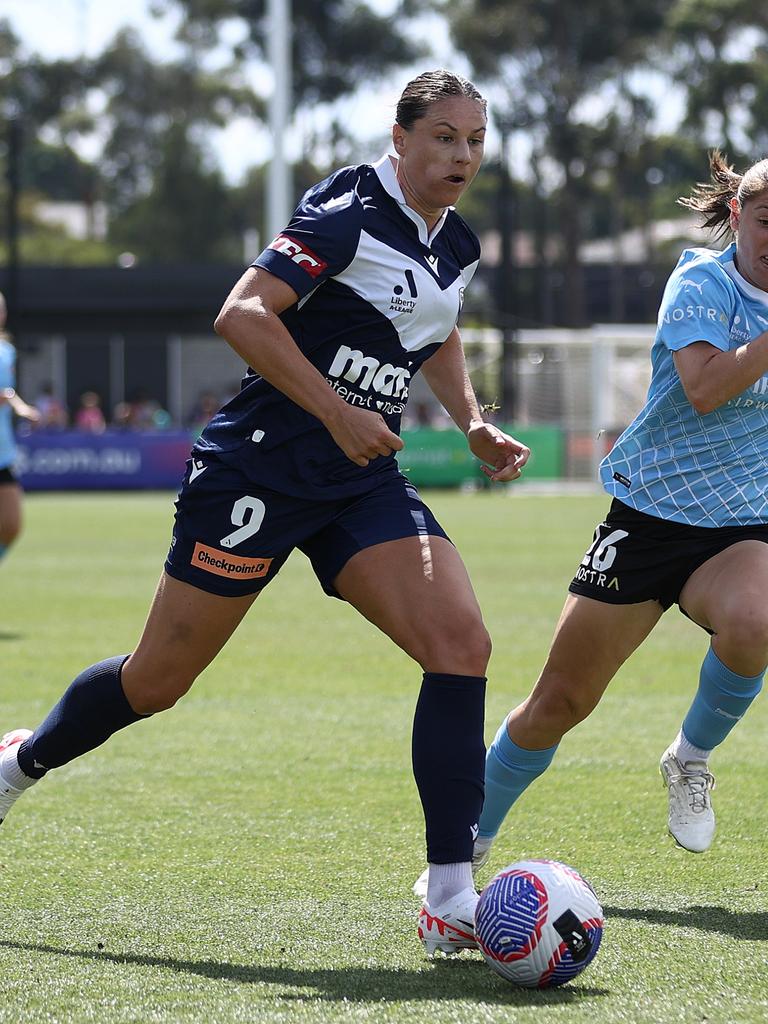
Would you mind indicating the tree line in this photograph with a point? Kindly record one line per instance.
(605, 110)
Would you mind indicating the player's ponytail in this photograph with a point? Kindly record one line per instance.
(713, 198)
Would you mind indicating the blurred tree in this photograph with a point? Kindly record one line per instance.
(188, 216)
(718, 49)
(143, 100)
(45, 97)
(556, 65)
(337, 44)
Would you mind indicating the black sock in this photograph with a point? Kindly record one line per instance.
(449, 762)
(92, 708)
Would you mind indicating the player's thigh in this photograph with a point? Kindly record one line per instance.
(592, 640)
(727, 594)
(417, 591)
(10, 510)
(185, 630)
(230, 539)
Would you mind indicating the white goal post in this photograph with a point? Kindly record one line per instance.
(590, 382)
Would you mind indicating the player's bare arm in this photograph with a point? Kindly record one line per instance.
(710, 377)
(250, 322)
(446, 374)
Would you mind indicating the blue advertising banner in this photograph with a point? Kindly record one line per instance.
(114, 460)
(122, 460)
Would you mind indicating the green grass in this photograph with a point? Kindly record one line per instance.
(249, 855)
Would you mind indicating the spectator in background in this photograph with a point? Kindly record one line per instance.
(148, 414)
(53, 412)
(10, 402)
(142, 413)
(89, 418)
(121, 417)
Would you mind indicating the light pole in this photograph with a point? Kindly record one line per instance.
(13, 136)
(506, 293)
(279, 184)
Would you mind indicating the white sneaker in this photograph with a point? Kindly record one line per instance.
(8, 793)
(451, 926)
(480, 854)
(691, 818)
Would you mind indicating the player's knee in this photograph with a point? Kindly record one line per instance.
(463, 650)
(743, 627)
(559, 704)
(152, 694)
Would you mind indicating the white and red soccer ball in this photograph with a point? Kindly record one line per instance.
(538, 923)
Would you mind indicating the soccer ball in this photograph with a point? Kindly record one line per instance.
(538, 923)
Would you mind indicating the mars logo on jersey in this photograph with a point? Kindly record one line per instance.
(299, 253)
(368, 373)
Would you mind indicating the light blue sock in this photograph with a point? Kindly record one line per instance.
(509, 770)
(721, 701)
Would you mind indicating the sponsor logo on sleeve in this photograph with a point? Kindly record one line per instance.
(697, 312)
(222, 563)
(299, 253)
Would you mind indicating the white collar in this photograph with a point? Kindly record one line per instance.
(386, 171)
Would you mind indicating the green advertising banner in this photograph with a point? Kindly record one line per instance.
(441, 458)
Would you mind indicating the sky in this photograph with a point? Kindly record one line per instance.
(69, 28)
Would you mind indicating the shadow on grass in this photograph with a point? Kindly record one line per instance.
(446, 980)
(752, 926)
(9, 636)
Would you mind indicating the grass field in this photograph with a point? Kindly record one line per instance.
(249, 855)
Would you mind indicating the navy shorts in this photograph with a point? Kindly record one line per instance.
(636, 557)
(231, 537)
(7, 476)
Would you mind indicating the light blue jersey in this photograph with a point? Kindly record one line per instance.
(671, 461)
(7, 377)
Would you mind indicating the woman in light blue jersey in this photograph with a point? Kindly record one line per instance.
(687, 525)
(10, 403)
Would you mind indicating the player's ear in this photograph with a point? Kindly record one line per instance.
(735, 206)
(398, 138)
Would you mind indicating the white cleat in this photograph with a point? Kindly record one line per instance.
(691, 818)
(9, 794)
(451, 926)
(480, 854)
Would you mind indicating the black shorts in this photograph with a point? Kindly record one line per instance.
(7, 476)
(232, 538)
(635, 557)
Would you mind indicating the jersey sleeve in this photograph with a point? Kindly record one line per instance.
(321, 238)
(697, 306)
(7, 360)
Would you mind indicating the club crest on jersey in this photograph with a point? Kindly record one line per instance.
(299, 253)
(400, 302)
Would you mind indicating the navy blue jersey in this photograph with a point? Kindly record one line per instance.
(378, 294)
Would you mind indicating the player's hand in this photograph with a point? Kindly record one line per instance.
(504, 457)
(363, 435)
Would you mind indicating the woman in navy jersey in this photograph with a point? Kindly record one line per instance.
(688, 523)
(361, 290)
